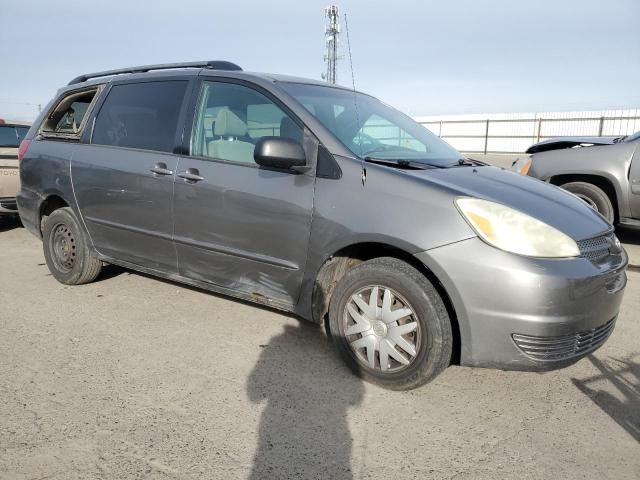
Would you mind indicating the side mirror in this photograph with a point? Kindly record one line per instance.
(281, 153)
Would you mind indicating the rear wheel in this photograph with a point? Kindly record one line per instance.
(70, 260)
(390, 324)
(594, 196)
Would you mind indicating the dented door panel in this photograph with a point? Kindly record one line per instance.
(243, 228)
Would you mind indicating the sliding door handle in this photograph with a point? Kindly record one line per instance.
(161, 169)
(191, 175)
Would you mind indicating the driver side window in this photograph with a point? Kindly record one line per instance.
(231, 118)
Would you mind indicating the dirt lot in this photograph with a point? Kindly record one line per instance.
(132, 377)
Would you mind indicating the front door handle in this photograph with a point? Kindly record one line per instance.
(161, 169)
(191, 175)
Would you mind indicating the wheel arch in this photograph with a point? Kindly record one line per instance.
(50, 204)
(336, 265)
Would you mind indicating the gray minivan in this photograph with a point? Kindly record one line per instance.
(323, 202)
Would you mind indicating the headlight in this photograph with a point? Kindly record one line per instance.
(514, 231)
(522, 165)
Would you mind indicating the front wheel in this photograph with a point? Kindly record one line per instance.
(593, 196)
(390, 324)
(70, 260)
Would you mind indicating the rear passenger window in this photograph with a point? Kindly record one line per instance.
(69, 116)
(141, 115)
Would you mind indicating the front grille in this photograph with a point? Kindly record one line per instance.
(597, 248)
(565, 347)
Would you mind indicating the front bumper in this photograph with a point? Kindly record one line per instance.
(521, 313)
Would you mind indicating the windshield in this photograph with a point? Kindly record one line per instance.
(373, 129)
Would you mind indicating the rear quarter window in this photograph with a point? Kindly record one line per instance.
(68, 118)
(141, 115)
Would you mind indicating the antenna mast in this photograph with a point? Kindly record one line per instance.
(331, 32)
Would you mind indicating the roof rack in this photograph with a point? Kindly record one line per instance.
(213, 64)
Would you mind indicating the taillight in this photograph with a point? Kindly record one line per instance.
(24, 146)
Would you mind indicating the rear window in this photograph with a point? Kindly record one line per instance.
(22, 132)
(9, 136)
(69, 116)
(141, 115)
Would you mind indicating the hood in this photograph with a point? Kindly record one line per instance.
(538, 199)
(569, 142)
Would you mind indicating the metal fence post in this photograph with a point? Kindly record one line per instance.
(601, 126)
(539, 128)
(486, 136)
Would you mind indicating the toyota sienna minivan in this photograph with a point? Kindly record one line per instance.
(324, 202)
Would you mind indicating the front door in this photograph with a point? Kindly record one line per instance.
(238, 226)
(123, 180)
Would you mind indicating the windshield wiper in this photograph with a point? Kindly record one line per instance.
(471, 162)
(403, 163)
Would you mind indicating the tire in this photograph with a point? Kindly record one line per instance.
(432, 336)
(594, 196)
(70, 260)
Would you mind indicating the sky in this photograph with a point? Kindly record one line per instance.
(425, 57)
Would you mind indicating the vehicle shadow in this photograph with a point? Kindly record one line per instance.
(9, 222)
(622, 377)
(628, 235)
(111, 271)
(304, 432)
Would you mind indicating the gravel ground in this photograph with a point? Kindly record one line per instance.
(133, 377)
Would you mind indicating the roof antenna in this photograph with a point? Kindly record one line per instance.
(355, 101)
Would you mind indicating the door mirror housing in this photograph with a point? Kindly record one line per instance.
(281, 153)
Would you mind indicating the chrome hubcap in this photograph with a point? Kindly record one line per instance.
(382, 329)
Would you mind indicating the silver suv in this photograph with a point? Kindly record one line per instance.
(323, 202)
(602, 171)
